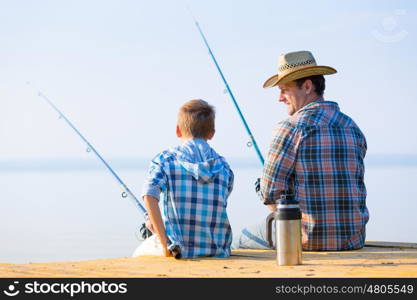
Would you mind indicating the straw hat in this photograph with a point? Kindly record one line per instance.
(296, 65)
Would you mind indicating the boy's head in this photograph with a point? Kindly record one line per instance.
(196, 120)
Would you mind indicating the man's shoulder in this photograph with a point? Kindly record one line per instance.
(329, 118)
(346, 120)
(287, 125)
(291, 126)
(323, 114)
(304, 118)
(311, 117)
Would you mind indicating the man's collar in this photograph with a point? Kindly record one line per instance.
(322, 104)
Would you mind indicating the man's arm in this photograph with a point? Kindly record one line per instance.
(271, 207)
(155, 217)
(279, 164)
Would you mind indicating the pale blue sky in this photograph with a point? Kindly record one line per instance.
(121, 69)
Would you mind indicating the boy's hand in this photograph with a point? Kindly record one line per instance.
(166, 252)
(149, 225)
(155, 222)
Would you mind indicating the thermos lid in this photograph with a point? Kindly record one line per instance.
(288, 208)
(287, 197)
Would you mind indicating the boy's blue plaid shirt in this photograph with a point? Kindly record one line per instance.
(195, 182)
(318, 153)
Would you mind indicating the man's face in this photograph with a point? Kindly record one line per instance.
(293, 96)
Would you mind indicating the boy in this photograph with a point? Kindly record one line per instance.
(195, 182)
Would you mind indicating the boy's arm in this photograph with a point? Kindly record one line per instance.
(151, 204)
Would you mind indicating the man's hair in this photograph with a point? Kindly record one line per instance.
(318, 82)
(196, 119)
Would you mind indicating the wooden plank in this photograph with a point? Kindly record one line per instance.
(391, 245)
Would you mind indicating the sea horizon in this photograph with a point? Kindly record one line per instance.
(92, 163)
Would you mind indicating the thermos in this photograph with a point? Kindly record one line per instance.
(287, 219)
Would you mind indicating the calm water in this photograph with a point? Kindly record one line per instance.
(78, 215)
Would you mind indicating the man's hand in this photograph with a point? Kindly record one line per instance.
(258, 187)
(272, 207)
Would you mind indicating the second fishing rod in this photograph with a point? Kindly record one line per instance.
(252, 141)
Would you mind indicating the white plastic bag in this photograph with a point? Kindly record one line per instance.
(150, 246)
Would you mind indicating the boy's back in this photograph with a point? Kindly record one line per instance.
(196, 183)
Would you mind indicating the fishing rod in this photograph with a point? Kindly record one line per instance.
(252, 141)
(126, 191)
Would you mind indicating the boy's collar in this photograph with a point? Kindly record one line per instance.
(196, 140)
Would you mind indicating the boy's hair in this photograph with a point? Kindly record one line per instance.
(196, 119)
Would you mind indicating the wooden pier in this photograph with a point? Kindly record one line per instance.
(377, 259)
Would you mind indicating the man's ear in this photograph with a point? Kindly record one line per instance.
(308, 86)
(210, 136)
(178, 131)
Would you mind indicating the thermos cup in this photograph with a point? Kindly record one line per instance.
(287, 219)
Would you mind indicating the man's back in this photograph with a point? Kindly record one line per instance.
(324, 150)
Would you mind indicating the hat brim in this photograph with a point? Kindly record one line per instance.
(297, 74)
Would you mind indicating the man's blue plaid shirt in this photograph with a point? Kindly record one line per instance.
(318, 153)
(195, 182)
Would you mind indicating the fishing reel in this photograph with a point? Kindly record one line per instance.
(143, 232)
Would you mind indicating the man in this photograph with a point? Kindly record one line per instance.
(317, 153)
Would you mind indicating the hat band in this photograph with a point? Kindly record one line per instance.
(294, 65)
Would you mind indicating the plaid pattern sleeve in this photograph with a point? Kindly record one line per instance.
(155, 183)
(279, 165)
